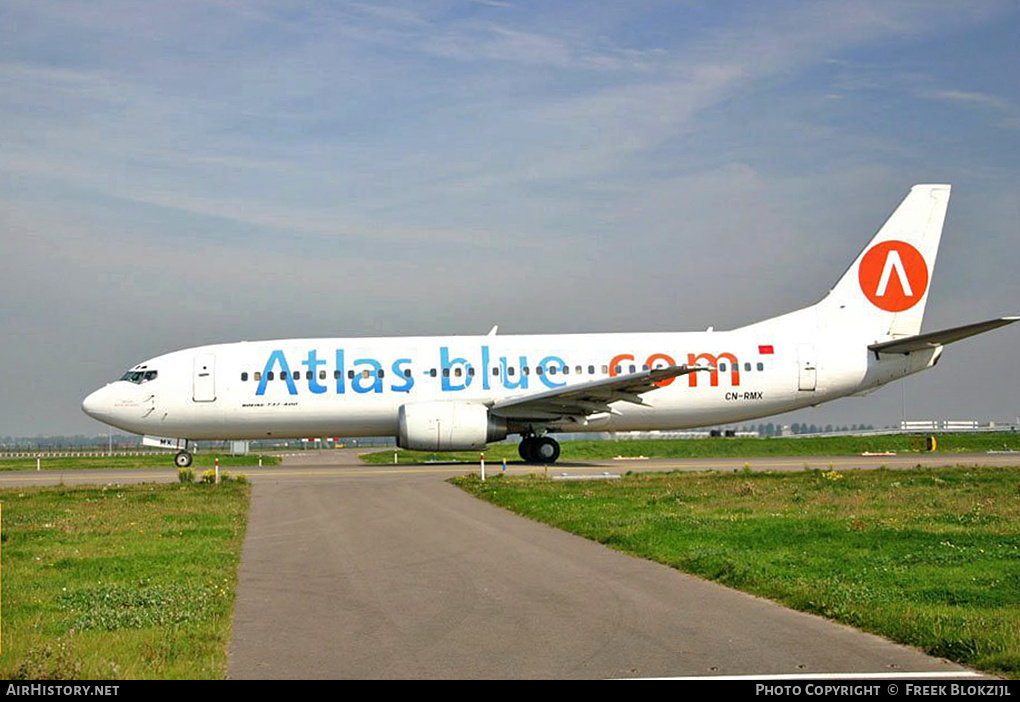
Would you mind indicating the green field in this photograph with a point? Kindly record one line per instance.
(728, 447)
(926, 557)
(153, 460)
(120, 582)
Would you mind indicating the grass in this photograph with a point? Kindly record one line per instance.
(728, 448)
(120, 581)
(926, 557)
(153, 460)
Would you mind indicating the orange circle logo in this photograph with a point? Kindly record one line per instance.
(893, 275)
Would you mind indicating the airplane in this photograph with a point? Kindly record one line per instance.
(455, 393)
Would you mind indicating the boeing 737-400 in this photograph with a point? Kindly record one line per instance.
(461, 392)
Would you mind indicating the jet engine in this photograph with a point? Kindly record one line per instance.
(448, 425)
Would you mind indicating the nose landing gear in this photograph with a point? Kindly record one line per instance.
(182, 459)
(539, 449)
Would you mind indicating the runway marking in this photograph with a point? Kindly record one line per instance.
(834, 676)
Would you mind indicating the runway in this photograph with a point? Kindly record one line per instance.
(355, 571)
(337, 464)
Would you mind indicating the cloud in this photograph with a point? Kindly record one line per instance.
(191, 172)
(1008, 113)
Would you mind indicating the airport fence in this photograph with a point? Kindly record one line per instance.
(76, 454)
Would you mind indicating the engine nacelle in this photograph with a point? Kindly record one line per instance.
(448, 425)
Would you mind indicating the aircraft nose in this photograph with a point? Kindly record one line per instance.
(96, 405)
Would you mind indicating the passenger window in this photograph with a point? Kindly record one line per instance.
(457, 371)
(747, 366)
(297, 375)
(644, 367)
(591, 370)
(336, 375)
(579, 370)
(382, 373)
(446, 372)
(471, 370)
(526, 370)
(283, 375)
(244, 377)
(633, 369)
(269, 375)
(407, 372)
(510, 370)
(258, 375)
(433, 372)
(495, 371)
(350, 375)
(538, 370)
(761, 366)
(365, 373)
(605, 370)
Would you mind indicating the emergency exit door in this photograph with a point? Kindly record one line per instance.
(204, 385)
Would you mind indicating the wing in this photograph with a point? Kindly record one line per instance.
(588, 398)
(938, 338)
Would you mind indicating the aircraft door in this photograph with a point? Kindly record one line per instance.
(808, 368)
(204, 385)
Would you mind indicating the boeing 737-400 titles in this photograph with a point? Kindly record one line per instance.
(462, 392)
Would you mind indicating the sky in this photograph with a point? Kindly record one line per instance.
(177, 173)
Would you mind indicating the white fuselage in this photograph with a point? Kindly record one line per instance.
(356, 386)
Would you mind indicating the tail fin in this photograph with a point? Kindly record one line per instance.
(885, 290)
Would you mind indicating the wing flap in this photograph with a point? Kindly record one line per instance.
(585, 399)
(920, 342)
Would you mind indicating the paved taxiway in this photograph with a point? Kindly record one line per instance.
(391, 572)
(331, 465)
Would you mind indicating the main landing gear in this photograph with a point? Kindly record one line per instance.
(539, 449)
(182, 459)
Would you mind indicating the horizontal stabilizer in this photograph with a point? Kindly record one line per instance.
(920, 342)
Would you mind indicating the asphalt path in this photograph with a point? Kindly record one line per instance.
(355, 571)
(393, 573)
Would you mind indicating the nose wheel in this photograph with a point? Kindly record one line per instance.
(182, 459)
(539, 449)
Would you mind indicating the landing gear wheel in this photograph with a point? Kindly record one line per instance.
(546, 450)
(539, 449)
(182, 459)
(526, 449)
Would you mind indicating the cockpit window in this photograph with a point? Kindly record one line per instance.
(139, 377)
